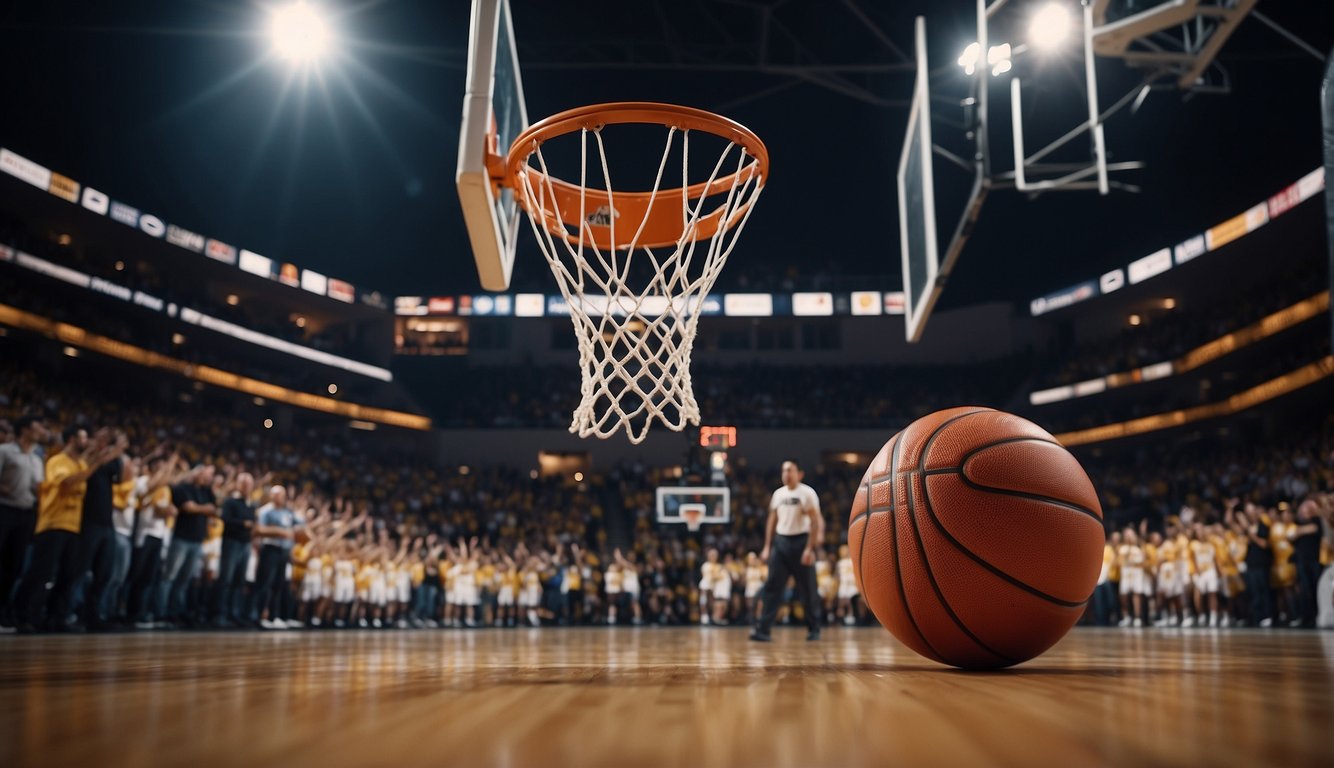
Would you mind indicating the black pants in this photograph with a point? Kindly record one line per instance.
(16, 526)
(270, 581)
(145, 570)
(1257, 591)
(50, 580)
(97, 553)
(785, 561)
(1308, 582)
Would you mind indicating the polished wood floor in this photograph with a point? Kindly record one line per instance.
(641, 697)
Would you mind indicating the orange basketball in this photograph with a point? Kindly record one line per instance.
(976, 538)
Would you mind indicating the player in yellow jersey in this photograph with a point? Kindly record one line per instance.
(1150, 543)
(755, 575)
(1170, 583)
(826, 584)
(1109, 578)
(1283, 573)
(530, 597)
(1134, 583)
(508, 593)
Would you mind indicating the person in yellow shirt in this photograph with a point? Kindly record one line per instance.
(1171, 584)
(1283, 573)
(1104, 594)
(54, 556)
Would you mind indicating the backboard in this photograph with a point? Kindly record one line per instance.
(917, 201)
(494, 114)
(674, 502)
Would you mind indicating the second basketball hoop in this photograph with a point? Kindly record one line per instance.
(635, 266)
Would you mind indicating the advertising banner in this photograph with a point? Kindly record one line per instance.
(186, 239)
(1190, 249)
(255, 264)
(812, 304)
(748, 305)
(342, 291)
(220, 251)
(314, 282)
(151, 225)
(64, 188)
(127, 215)
(867, 303)
(95, 201)
(529, 305)
(22, 168)
(1152, 265)
(289, 274)
(1063, 298)
(409, 306)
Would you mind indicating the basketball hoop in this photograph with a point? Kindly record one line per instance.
(693, 515)
(634, 356)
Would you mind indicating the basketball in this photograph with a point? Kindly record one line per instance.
(976, 538)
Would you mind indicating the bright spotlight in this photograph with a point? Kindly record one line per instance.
(300, 34)
(1050, 26)
(970, 57)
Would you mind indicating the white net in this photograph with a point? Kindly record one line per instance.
(634, 296)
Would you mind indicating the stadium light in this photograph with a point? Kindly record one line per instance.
(300, 33)
(970, 57)
(1135, 320)
(333, 389)
(1050, 27)
(1000, 58)
(1169, 303)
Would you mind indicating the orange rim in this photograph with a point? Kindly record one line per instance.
(558, 202)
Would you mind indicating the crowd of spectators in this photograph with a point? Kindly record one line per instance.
(148, 514)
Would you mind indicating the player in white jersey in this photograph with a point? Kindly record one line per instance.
(1205, 555)
(792, 536)
(1134, 583)
(709, 574)
(847, 587)
(722, 590)
(612, 581)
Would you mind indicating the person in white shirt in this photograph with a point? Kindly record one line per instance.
(22, 470)
(791, 536)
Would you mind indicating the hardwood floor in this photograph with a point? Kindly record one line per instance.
(632, 697)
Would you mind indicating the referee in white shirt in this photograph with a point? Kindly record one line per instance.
(794, 514)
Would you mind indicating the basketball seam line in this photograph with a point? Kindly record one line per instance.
(926, 497)
(931, 577)
(926, 493)
(926, 447)
(898, 562)
(861, 547)
(1006, 441)
(1032, 496)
